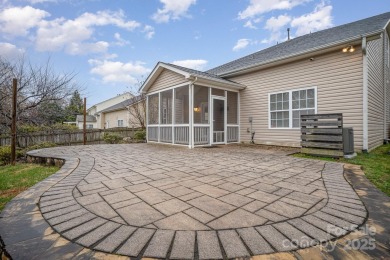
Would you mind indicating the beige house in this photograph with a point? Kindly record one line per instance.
(128, 113)
(89, 124)
(344, 69)
(96, 109)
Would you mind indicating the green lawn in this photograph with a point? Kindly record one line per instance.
(15, 179)
(376, 165)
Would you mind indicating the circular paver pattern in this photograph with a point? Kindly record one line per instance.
(161, 201)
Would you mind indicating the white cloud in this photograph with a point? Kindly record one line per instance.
(258, 7)
(17, 21)
(250, 25)
(40, 1)
(319, 19)
(278, 28)
(119, 40)
(275, 23)
(192, 64)
(10, 51)
(118, 72)
(149, 31)
(76, 48)
(172, 10)
(241, 44)
(65, 34)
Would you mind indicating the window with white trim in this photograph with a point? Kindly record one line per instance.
(120, 123)
(287, 107)
(279, 110)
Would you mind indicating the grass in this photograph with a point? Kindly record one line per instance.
(15, 179)
(376, 165)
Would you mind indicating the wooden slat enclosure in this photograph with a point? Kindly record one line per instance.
(322, 134)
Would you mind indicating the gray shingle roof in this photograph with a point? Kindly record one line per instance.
(80, 118)
(123, 104)
(306, 43)
(200, 73)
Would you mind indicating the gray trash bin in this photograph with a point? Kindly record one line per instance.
(348, 140)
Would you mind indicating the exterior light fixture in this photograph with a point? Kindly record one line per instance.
(196, 109)
(349, 48)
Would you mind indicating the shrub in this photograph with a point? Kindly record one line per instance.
(5, 154)
(40, 146)
(26, 129)
(140, 135)
(112, 138)
(60, 126)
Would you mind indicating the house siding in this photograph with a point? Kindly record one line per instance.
(113, 117)
(338, 78)
(167, 79)
(376, 93)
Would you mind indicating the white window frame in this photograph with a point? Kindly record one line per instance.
(290, 109)
(123, 123)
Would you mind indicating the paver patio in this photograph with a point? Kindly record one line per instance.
(168, 202)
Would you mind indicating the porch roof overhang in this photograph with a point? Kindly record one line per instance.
(193, 76)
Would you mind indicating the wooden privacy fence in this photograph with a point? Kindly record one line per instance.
(322, 134)
(60, 137)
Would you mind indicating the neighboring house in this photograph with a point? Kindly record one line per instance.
(96, 109)
(124, 113)
(90, 122)
(344, 69)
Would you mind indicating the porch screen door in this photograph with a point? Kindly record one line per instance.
(218, 120)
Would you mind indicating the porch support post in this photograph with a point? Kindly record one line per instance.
(173, 116)
(211, 115)
(238, 116)
(147, 118)
(225, 118)
(159, 115)
(191, 116)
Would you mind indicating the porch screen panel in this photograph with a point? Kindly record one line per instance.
(166, 107)
(232, 108)
(201, 105)
(153, 109)
(181, 105)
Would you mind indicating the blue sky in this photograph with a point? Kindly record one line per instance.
(112, 45)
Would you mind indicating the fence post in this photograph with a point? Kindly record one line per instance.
(13, 127)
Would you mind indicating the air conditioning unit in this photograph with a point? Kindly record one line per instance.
(348, 140)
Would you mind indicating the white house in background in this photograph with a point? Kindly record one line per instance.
(96, 110)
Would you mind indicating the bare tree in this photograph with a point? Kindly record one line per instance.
(137, 111)
(37, 85)
(137, 106)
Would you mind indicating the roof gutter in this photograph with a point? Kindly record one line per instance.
(215, 82)
(289, 58)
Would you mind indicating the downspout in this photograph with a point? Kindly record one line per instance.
(365, 95)
(386, 55)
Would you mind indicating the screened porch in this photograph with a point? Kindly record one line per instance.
(193, 115)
